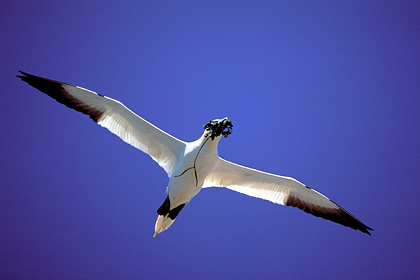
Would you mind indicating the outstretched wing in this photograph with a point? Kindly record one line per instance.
(282, 190)
(113, 115)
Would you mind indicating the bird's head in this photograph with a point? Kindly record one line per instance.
(218, 127)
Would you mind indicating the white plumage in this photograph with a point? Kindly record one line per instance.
(191, 166)
(118, 119)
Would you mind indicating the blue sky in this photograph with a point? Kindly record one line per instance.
(326, 92)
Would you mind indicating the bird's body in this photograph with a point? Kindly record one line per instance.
(200, 157)
(198, 161)
(194, 165)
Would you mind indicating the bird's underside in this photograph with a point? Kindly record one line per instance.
(196, 163)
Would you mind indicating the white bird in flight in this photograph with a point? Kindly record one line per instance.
(191, 166)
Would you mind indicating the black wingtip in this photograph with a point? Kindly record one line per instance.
(55, 90)
(362, 227)
(21, 77)
(358, 225)
(366, 230)
(24, 75)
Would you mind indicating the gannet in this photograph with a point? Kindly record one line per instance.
(191, 166)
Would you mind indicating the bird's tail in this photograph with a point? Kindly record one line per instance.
(166, 216)
(162, 224)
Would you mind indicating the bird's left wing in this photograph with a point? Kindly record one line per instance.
(282, 190)
(113, 115)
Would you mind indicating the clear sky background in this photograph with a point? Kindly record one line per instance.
(326, 92)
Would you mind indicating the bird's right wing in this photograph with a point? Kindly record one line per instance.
(113, 115)
(282, 190)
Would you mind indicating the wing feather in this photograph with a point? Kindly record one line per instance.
(113, 115)
(281, 190)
